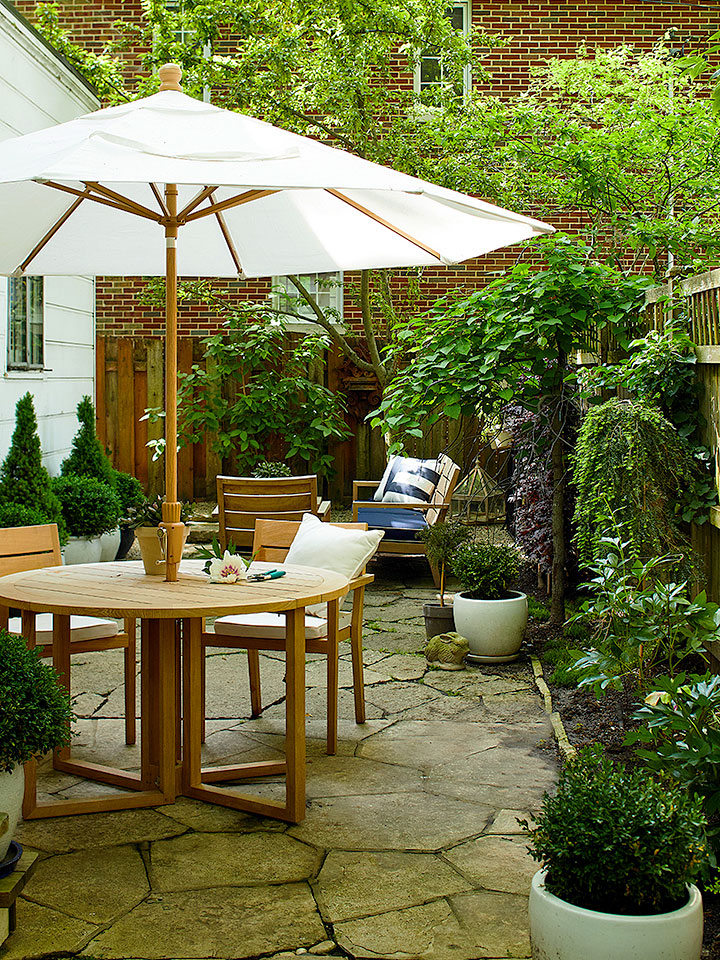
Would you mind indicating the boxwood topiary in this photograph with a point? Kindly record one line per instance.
(485, 570)
(87, 457)
(130, 492)
(617, 841)
(90, 507)
(35, 711)
(18, 515)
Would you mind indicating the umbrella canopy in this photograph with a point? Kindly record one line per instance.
(109, 193)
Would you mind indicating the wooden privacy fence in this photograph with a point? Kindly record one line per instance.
(700, 306)
(130, 379)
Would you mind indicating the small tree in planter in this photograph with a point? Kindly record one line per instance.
(131, 496)
(23, 478)
(145, 519)
(90, 508)
(487, 612)
(87, 457)
(441, 541)
(35, 717)
(620, 851)
(17, 515)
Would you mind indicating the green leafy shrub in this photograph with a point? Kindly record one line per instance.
(639, 621)
(681, 734)
(149, 513)
(441, 542)
(90, 507)
(87, 457)
(130, 493)
(272, 468)
(18, 515)
(23, 478)
(617, 841)
(35, 712)
(485, 571)
(630, 462)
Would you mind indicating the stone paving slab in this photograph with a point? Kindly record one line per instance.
(92, 830)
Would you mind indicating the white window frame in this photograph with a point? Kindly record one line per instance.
(465, 6)
(328, 297)
(29, 320)
(175, 6)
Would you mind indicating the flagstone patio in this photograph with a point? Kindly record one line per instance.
(410, 847)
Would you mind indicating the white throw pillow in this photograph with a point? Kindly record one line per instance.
(408, 480)
(319, 544)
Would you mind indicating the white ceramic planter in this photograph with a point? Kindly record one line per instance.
(561, 931)
(82, 550)
(109, 544)
(12, 786)
(493, 628)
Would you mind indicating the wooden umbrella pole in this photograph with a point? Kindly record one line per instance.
(171, 507)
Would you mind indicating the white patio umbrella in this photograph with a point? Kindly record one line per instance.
(97, 195)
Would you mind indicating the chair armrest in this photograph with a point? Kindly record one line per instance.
(362, 581)
(359, 484)
(323, 510)
(380, 505)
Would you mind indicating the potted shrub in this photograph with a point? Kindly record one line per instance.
(146, 519)
(441, 541)
(619, 852)
(490, 615)
(35, 717)
(90, 508)
(131, 496)
(271, 468)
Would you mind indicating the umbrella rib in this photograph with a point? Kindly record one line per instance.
(51, 233)
(132, 206)
(384, 223)
(159, 197)
(196, 201)
(231, 202)
(104, 200)
(226, 234)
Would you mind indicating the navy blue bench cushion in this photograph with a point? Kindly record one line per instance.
(399, 524)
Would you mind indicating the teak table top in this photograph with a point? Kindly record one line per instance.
(124, 590)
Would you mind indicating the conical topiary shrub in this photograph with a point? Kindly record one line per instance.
(23, 478)
(87, 457)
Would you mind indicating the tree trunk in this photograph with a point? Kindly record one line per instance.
(557, 605)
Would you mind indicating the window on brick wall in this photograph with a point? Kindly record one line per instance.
(25, 323)
(183, 35)
(326, 290)
(429, 73)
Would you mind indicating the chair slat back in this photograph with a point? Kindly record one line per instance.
(243, 500)
(449, 475)
(273, 537)
(29, 548)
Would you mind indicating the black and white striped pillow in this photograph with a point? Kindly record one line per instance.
(407, 480)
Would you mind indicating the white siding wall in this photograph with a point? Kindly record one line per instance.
(36, 91)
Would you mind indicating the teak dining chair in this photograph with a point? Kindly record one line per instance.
(31, 548)
(243, 500)
(266, 631)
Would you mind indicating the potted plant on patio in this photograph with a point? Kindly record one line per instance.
(490, 615)
(620, 851)
(441, 541)
(35, 717)
(90, 508)
(131, 496)
(145, 519)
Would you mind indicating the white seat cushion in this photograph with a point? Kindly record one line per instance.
(271, 626)
(81, 628)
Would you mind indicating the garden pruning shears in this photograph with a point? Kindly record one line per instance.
(267, 575)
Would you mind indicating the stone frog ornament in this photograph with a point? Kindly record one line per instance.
(447, 651)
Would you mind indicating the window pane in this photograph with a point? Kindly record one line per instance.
(429, 71)
(25, 322)
(457, 16)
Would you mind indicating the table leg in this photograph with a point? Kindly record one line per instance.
(333, 613)
(295, 715)
(61, 663)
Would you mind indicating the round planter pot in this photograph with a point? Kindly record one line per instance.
(109, 544)
(151, 551)
(127, 539)
(82, 550)
(12, 786)
(438, 619)
(561, 931)
(493, 628)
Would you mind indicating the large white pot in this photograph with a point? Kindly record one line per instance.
(12, 786)
(109, 544)
(493, 628)
(561, 931)
(82, 550)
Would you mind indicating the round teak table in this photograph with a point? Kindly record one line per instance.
(170, 763)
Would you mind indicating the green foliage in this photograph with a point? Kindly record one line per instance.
(640, 621)
(271, 468)
(441, 541)
(254, 390)
(87, 457)
(681, 731)
(148, 513)
(90, 507)
(23, 478)
(18, 515)
(485, 570)
(616, 840)
(130, 492)
(537, 611)
(630, 462)
(35, 713)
